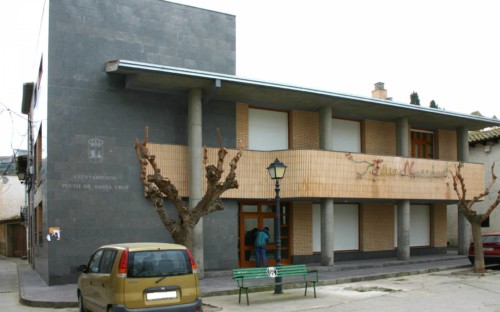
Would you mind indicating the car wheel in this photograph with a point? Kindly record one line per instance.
(80, 304)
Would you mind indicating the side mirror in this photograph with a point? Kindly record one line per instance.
(82, 268)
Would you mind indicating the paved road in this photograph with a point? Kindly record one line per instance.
(384, 285)
(455, 290)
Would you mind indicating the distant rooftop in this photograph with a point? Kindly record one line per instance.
(485, 136)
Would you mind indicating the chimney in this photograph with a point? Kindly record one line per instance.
(380, 92)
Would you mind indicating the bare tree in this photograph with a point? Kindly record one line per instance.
(158, 188)
(475, 219)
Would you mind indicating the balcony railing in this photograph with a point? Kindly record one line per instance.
(327, 174)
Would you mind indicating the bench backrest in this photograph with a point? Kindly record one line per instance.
(281, 271)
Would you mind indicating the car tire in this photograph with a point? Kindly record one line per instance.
(81, 307)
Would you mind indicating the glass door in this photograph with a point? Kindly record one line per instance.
(255, 217)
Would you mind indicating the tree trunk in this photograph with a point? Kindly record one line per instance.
(478, 246)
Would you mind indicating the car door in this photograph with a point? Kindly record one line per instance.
(88, 282)
(96, 285)
(102, 284)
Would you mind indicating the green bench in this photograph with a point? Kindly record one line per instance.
(260, 277)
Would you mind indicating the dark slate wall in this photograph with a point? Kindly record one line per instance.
(93, 192)
(221, 239)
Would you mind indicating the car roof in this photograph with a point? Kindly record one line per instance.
(142, 246)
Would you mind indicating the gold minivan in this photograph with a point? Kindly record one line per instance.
(139, 277)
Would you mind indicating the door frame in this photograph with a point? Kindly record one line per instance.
(261, 211)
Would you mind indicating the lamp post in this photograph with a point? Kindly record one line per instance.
(277, 172)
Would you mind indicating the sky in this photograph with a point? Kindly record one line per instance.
(446, 51)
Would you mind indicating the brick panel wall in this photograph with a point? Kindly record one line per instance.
(304, 130)
(439, 229)
(302, 229)
(447, 145)
(379, 137)
(377, 227)
(242, 125)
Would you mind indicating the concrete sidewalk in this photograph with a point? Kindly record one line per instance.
(35, 292)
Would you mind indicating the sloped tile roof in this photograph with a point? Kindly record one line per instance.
(484, 136)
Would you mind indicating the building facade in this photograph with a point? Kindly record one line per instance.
(366, 177)
(12, 208)
(484, 149)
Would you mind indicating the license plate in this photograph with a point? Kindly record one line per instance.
(161, 295)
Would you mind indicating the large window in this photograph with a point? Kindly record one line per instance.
(39, 224)
(420, 225)
(346, 135)
(345, 227)
(38, 158)
(267, 130)
(422, 144)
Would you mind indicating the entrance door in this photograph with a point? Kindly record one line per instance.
(258, 216)
(17, 237)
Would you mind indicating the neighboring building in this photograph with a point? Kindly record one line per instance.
(12, 205)
(484, 148)
(366, 177)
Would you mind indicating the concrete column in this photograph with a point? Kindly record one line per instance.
(402, 145)
(403, 229)
(326, 143)
(327, 248)
(195, 152)
(463, 238)
(402, 149)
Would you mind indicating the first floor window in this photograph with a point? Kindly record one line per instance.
(267, 130)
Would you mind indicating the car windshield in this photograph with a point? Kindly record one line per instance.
(157, 263)
(491, 239)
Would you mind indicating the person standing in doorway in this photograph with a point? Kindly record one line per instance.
(261, 241)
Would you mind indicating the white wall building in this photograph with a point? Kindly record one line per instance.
(483, 148)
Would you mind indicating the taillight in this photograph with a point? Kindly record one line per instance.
(194, 267)
(123, 265)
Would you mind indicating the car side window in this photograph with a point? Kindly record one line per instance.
(95, 261)
(107, 261)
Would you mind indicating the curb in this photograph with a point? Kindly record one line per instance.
(38, 303)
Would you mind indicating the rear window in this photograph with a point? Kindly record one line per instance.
(158, 263)
(491, 239)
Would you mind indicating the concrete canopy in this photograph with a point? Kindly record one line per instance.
(159, 78)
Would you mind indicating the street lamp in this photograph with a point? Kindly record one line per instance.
(277, 172)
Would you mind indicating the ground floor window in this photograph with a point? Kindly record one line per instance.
(254, 216)
(345, 227)
(420, 225)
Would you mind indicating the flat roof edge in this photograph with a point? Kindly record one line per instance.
(115, 66)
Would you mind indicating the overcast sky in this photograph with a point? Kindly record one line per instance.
(447, 51)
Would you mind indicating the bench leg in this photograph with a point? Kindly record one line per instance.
(239, 297)
(248, 303)
(314, 287)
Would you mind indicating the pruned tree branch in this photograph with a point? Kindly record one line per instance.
(157, 188)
